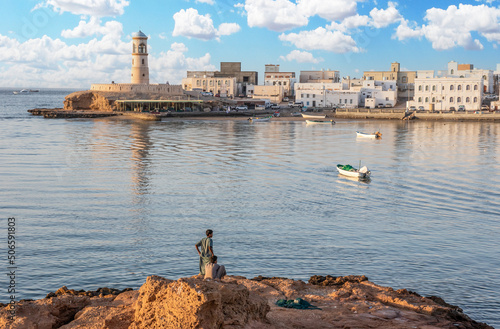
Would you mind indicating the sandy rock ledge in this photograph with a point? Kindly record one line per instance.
(237, 302)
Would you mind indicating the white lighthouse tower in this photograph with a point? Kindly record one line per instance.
(140, 68)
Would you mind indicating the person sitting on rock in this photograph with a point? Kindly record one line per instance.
(214, 270)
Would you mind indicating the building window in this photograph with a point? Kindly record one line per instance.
(143, 61)
(284, 83)
(301, 95)
(475, 99)
(459, 87)
(452, 87)
(467, 87)
(434, 99)
(426, 88)
(346, 100)
(314, 95)
(142, 48)
(132, 61)
(427, 99)
(467, 100)
(403, 80)
(387, 98)
(452, 71)
(307, 95)
(475, 87)
(350, 101)
(434, 88)
(419, 88)
(340, 100)
(451, 99)
(420, 99)
(246, 79)
(459, 99)
(198, 83)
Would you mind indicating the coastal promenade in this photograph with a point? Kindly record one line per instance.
(286, 113)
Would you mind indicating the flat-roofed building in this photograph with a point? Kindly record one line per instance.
(456, 70)
(405, 80)
(224, 87)
(273, 93)
(323, 76)
(230, 70)
(325, 94)
(444, 93)
(273, 77)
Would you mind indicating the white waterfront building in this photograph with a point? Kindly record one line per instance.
(375, 93)
(273, 77)
(441, 94)
(456, 70)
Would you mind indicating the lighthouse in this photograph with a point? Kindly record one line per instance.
(140, 67)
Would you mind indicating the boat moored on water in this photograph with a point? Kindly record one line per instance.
(350, 171)
(256, 119)
(314, 116)
(329, 122)
(372, 135)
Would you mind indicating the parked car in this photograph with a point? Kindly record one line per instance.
(217, 95)
(298, 104)
(452, 109)
(285, 99)
(188, 109)
(380, 105)
(421, 108)
(413, 108)
(275, 106)
(387, 105)
(461, 108)
(241, 108)
(485, 107)
(241, 95)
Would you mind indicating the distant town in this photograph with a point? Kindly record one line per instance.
(462, 87)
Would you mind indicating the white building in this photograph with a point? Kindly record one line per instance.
(442, 94)
(325, 95)
(326, 76)
(456, 70)
(376, 93)
(225, 87)
(273, 77)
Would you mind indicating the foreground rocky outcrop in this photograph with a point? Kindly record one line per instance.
(237, 302)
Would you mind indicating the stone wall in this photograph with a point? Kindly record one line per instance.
(170, 90)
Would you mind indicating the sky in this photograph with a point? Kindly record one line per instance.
(73, 43)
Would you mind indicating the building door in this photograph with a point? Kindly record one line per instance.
(314, 103)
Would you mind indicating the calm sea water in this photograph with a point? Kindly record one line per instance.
(109, 202)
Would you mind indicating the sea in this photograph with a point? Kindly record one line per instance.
(109, 202)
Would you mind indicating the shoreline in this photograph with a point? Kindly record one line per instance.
(238, 302)
(286, 114)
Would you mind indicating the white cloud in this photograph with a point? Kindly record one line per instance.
(350, 23)
(384, 17)
(93, 27)
(323, 39)
(331, 10)
(210, 2)
(275, 15)
(228, 28)
(98, 8)
(453, 27)
(190, 24)
(301, 57)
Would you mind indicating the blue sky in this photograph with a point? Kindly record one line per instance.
(73, 43)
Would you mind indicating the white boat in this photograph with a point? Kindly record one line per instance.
(24, 91)
(373, 135)
(350, 171)
(330, 122)
(313, 116)
(266, 119)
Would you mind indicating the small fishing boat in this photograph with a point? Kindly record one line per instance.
(330, 122)
(256, 119)
(350, 171)
(314, 116)
(24, 91)
(373, 135)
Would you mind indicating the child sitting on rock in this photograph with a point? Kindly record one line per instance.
(214, 270)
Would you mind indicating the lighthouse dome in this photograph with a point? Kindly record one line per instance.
(139, 35)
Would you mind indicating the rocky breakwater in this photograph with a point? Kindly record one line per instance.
(237, 302)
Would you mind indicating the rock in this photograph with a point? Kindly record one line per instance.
(238, 303)
(194, 303)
